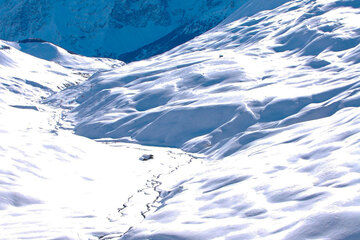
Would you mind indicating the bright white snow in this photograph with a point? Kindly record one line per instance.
(270, 96)
(54, 184)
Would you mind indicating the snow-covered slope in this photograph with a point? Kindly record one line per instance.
(45, 71)
(112, 28)
(271, 96)
(26, 77)
(234, 84)
(275, 90)
(51, 52)
(54, 184)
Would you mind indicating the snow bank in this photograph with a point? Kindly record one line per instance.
(300, 182)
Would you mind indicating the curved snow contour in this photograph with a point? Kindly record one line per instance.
(286, 78)
(50, 52)
(270, 66)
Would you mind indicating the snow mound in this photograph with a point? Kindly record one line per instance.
(23, 75)
(51, 52)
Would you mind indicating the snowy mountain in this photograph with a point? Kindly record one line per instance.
(267, 102)
(128, 30)
(235, 84)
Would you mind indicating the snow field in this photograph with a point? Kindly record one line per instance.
(54, 184)
(255, 73)
(270, 96)
(298, 183)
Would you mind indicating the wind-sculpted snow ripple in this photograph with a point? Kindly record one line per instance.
(299, 183)
(271, 96)
(220, 100)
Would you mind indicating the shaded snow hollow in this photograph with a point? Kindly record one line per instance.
(271, 95)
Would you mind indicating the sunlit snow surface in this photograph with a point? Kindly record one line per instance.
(238, 83)
(51, 52)
(270, 96)
(54, 184)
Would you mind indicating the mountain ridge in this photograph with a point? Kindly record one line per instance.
(115, 29)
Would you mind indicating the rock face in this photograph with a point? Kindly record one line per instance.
(126, 29)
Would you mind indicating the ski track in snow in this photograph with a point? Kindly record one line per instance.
(146, 196)
(151, 194)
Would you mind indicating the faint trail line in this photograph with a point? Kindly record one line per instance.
(153, 185)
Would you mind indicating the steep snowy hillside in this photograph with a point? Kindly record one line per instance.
(274, 90)
(118, 29)
(233, 85)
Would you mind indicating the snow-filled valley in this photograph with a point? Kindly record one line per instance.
(248, 131)
(55, 184)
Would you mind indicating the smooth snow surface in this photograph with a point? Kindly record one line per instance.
(51, 52)
(270, 98)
